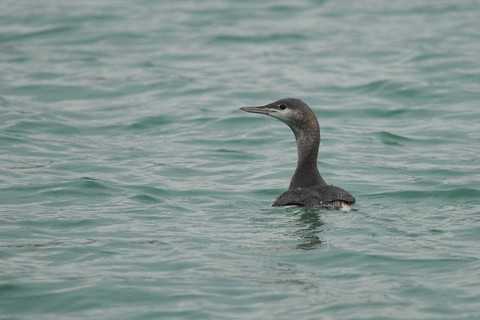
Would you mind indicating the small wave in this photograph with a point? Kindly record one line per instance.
(391, 89)
(146, 198)
(452, 194)
(37, 33)
(53, 243)
(255, 38)
(391, 139)
(80, 187)
(150, 122)
(45, 126)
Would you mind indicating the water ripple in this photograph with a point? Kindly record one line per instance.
(132, 187)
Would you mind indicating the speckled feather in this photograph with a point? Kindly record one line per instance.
(327, 196)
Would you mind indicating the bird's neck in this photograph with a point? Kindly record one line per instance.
(308, 140)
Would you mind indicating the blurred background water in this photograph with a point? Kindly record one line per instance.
(132, 187)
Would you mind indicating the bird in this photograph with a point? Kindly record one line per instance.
(307, 187)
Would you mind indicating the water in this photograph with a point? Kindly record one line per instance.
(132, 187)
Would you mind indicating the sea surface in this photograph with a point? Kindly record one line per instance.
(132, 187)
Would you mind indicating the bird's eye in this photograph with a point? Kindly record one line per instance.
(282, 106)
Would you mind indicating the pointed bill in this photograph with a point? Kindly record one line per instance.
(261, 110)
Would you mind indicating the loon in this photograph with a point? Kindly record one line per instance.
(307, 187)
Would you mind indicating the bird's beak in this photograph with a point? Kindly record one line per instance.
(262, 110)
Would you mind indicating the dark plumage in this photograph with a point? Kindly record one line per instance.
(307, 187)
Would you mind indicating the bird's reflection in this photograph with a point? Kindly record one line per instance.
(308, 221)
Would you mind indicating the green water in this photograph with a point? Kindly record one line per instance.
(132, 187)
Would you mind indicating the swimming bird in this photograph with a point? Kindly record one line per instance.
(307, 187)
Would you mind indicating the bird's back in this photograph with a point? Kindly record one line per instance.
(316, 196)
